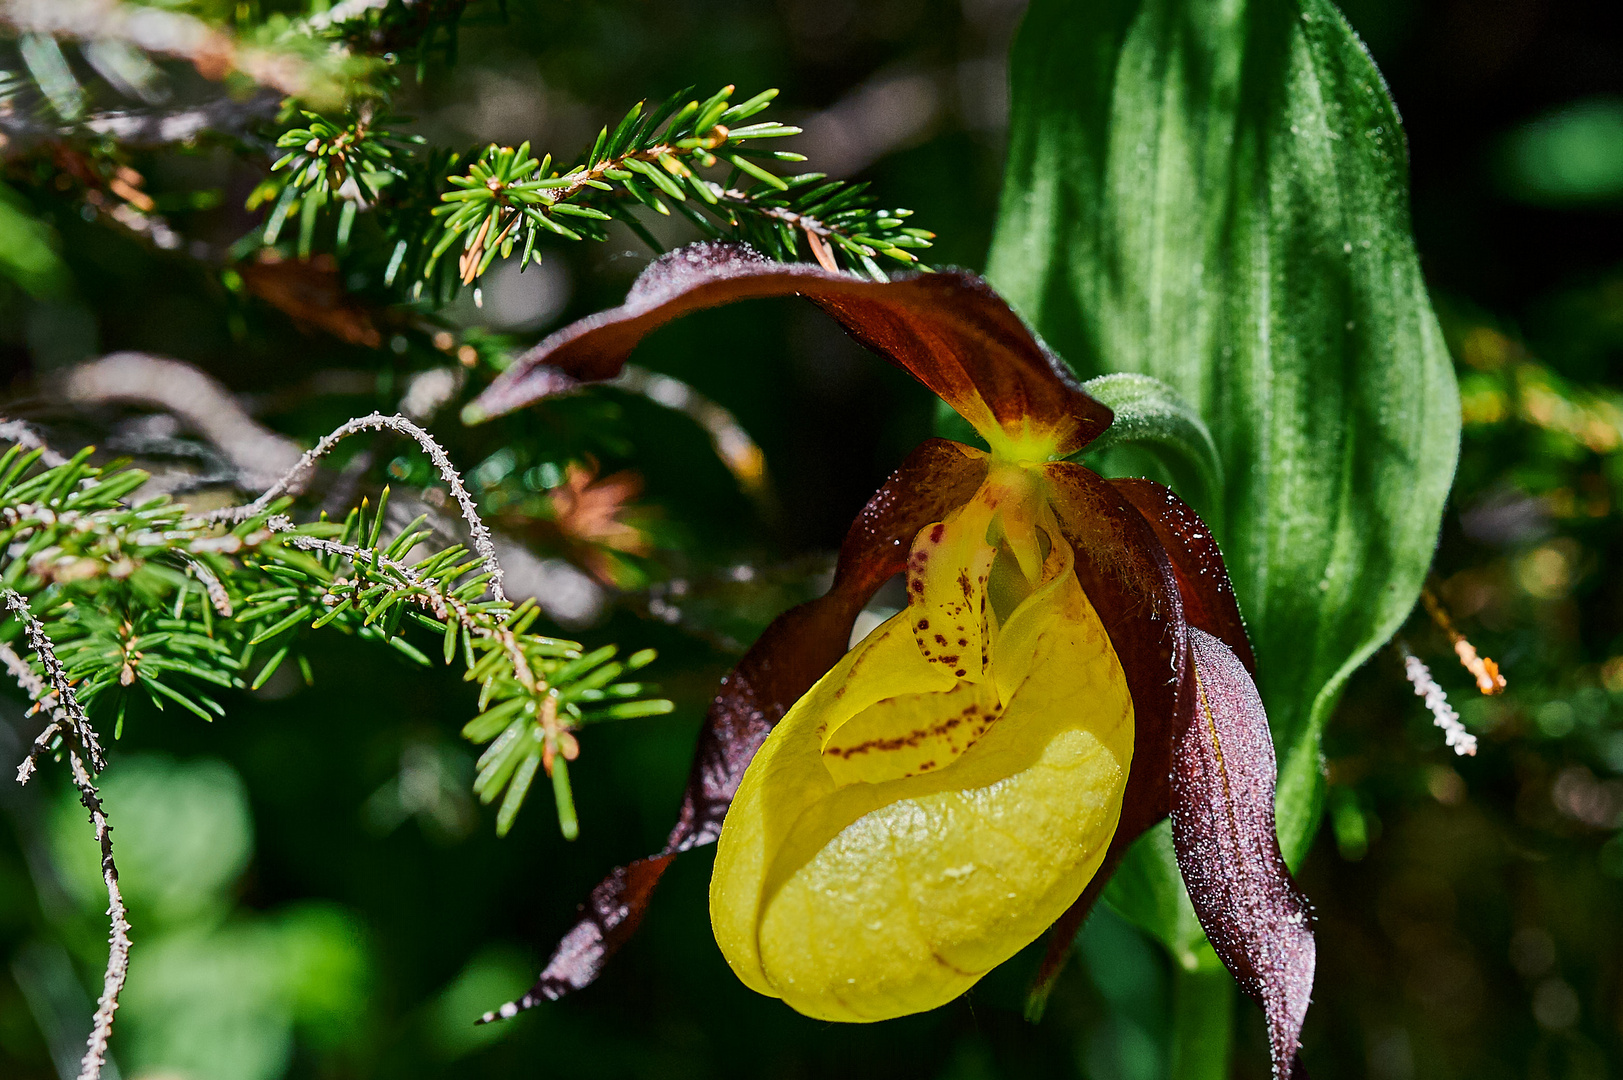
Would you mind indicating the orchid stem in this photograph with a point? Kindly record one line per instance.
(1202, 1020)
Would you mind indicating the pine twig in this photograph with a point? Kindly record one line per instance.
(296, 478)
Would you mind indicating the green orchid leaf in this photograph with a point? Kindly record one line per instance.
(1152, 418)
(1215, 194)
(1147, 888)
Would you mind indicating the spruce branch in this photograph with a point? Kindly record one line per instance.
(159, 600)
(329, 161)
(508, 199)
(534, 690)
(68, 537)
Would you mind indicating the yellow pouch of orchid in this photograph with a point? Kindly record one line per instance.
(944, 793)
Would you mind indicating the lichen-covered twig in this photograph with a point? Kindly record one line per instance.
(118, 952)
(67, 715)
(216, 590)
(1443, 715)
(44, 701)
(60, 702)
(294, 480)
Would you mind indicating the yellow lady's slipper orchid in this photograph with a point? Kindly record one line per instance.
(898, 817)
(942, 795)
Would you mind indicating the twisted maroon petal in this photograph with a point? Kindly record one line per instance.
(1223, 831)
(949, 330)
(794, 652)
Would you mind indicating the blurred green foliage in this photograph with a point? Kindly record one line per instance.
(1572, 155)
(214, 991)
(1467, 906)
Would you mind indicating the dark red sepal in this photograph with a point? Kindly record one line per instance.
(1203, 578)
(1223, 831)
(793, 653)
(610, 916)
(950, 330)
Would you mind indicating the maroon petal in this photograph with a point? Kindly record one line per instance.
(1223, 831)
(1126, 574)
(794, 652)
(950, 330)
(1203, 579)
(610, 916)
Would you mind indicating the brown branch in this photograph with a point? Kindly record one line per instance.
(1482, 668)
(259, 455)
(732, 443)
(225, 117)
(215, 52)
(15, 431)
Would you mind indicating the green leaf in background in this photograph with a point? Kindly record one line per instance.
(27, 250)
(1214, 193)
(1571, 155)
